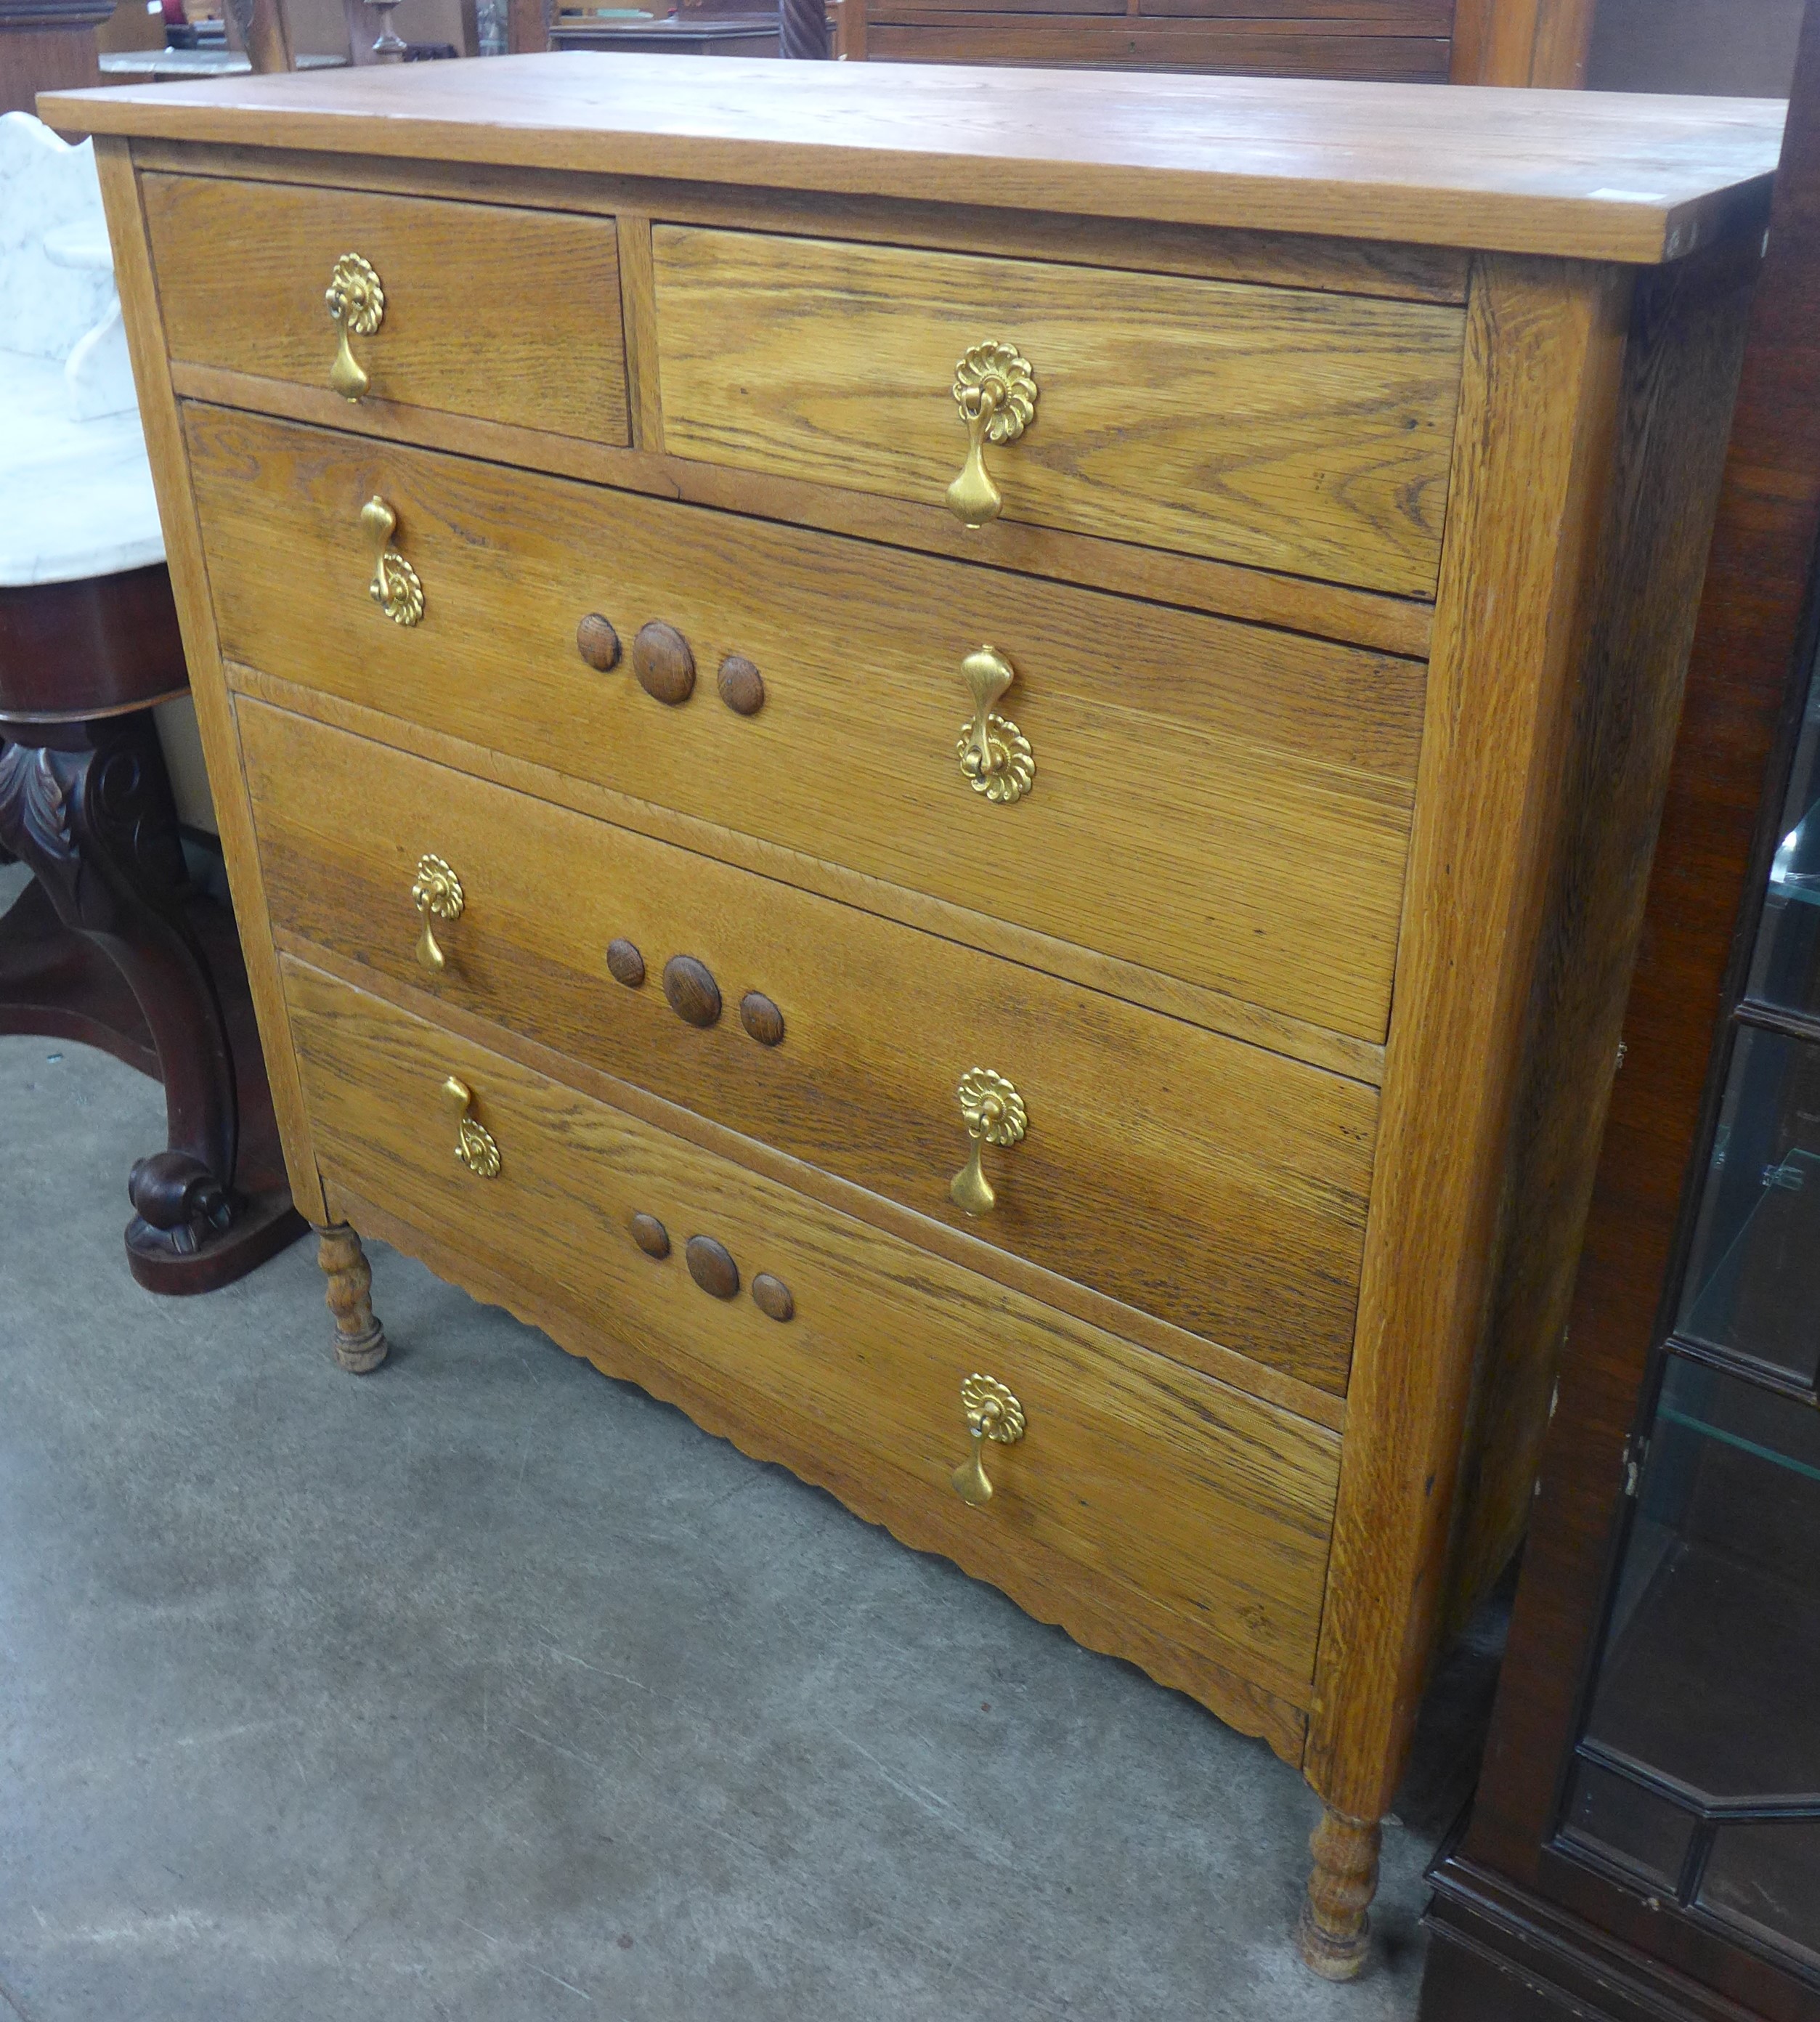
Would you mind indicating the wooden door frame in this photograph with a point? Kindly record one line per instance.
(1542, 42)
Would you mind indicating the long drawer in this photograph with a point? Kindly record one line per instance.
(1204, 1514)
(1216, 1184)
(1278, 427)
(470, 308)
(1223, 803)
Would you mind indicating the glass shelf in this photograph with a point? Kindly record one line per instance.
(1699, 1774)
(1753, 1281)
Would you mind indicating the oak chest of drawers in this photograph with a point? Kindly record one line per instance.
(960, 766)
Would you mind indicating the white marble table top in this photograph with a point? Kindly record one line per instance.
(75, 497)
(76, 489)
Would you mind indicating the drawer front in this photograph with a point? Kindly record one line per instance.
(1218, 1185)
(1210, 1511)
(508, 316)
(1220, 803)
(1272, 426)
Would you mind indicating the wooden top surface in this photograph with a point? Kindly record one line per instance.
(1603, 176)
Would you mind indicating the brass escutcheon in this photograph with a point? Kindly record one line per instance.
(437, 892)
(993, 1112)
(996, 391)
(992, 1413)
(356, 302)
(395, 587)
(475, 1145)
(995, 755)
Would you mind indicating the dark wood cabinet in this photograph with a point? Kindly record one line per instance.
(1646, 1839)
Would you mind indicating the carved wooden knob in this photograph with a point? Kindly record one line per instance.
(663, 662)
(625, 964)
(761, 1018)
(650, 1235)
(771, 1296)
(741, 684)
(690, 989)
(712, 1266)
(598, 643)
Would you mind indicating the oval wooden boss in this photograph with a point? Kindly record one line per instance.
(625, 964)
(712, 1266)
(771, 1296)
(691, 990)
(598, 643)
(663, 662)
(741, 684)
(761, 1018)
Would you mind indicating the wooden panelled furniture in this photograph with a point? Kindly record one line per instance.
(1469, 41)
(960, 765)
(1466, 41)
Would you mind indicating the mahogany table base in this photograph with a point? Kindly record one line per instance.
(113, 946)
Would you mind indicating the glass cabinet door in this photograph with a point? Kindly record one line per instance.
(1696, 1778)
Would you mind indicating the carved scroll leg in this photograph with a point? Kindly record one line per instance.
(360, 1340)
(1334, 1936)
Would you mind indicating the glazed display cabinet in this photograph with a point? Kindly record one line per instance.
(1645, 1842)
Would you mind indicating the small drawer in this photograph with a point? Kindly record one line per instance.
(1219, 1186)
(1197, 1517)
(476, 310)
(1276, 427)
(1217, 802)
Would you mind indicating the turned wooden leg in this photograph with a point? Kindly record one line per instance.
(360, 1343)
(1334, 1936)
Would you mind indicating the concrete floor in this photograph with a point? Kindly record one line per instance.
(485, 1687)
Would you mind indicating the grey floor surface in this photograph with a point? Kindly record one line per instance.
(486, 1688)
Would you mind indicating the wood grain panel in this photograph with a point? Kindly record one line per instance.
(1249, 1234)
(1546, 349)
(1242, 49)
(511, 315)
(1534, 43)
(1228, 806)
(1203, 1512)
(1618, 177)
(1068, 1295)
(1354, 267)
(1422, 18)
(1401, 625)
(1356, 1059)
(1286, 430)
(189, 583)
(1682, 360)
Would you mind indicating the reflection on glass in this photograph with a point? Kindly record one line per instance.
(1753, 1281)
(1766, 1877)
(1705, 1704)
(1648, 1834)
(1785, 968)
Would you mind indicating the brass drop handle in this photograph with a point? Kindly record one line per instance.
(995, 755)
(356, 304)
(996, 391)
(474, 1145)
(395, 587)
(992, 1413)
(993, 1112)
(437, 892)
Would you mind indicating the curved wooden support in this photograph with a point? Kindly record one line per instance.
(360, 1340)
(95, 823)
(1334, 1935)
(86, 804)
